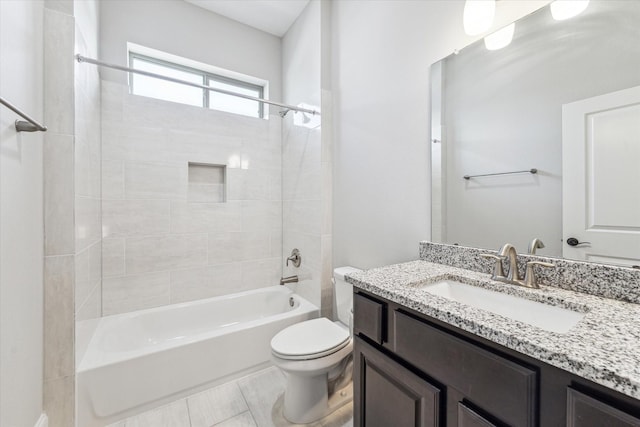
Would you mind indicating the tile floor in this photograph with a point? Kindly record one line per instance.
(252, 401)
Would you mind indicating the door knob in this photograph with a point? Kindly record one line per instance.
(572, 241)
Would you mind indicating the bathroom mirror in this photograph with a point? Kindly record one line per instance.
(501, 111)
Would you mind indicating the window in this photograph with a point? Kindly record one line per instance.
(177, 92)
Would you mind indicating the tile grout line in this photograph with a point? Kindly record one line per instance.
(186, 402)
(183, 269)
(246, 401)
(235, 416)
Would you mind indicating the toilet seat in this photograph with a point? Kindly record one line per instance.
(311, 339)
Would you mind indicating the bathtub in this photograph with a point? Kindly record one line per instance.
(153, 356)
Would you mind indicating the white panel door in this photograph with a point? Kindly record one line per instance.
(601, 178)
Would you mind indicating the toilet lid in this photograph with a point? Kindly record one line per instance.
(312, 337)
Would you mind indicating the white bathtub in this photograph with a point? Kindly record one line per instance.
(149, 356)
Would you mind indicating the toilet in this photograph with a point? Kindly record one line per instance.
(316, 357)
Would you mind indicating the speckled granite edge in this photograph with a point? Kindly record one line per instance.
(603, 347)
(607, 281)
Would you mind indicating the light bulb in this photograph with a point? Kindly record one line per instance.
(478, 16)
(565, 9)
(500, 38)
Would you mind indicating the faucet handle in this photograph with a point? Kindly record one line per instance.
(530, 264)
(498, 271)
(530, 279)
(295, 258)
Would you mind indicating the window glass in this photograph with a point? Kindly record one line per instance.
(162, 89)
(184, 94)
(235, 104)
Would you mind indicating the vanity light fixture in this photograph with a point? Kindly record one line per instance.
(565, 9)
(478, 16)
(501, 38)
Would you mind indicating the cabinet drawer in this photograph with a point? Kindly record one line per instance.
(585, 411)
(368, 317)
(504, 388)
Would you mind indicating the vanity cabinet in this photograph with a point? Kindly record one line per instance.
(585, 411)
(392, 395)
(413, 370)
(499, 388)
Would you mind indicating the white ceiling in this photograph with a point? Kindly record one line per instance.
(272, 16)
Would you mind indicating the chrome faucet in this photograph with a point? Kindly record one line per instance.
(290, 279)
(535, 244)
(509, 251)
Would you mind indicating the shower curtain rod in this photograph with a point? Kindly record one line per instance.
(81, 59)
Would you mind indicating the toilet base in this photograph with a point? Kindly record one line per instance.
(307, 396)
(340, 398)
(306, 399)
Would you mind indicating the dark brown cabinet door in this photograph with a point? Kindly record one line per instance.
(387, 394)
(585, 411)
(467, 417)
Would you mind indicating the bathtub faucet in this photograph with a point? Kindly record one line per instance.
(290, 279)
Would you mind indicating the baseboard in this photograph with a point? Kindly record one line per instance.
(43, 421)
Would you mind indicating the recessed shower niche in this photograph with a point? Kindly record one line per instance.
(207, 183)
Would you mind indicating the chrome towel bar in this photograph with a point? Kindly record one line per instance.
(21, 126)
(531, 171)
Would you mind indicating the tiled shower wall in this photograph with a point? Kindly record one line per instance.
(306, 156)
(59, 248)
(87, 177)
(167, 236)
(302, 208)
(71, 196)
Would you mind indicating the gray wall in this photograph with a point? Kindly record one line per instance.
(381, 53)
(21, 234)
(381, 57)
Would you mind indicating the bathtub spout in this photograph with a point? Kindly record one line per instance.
(290, 279)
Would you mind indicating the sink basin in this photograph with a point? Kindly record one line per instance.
(544, 316)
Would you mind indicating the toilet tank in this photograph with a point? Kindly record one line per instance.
(343, 292)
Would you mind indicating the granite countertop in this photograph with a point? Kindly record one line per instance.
(603, 347)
